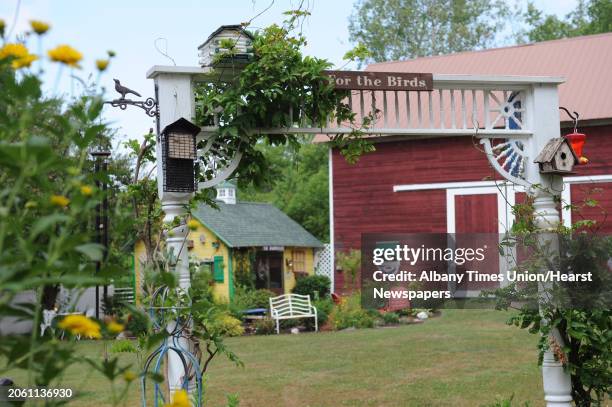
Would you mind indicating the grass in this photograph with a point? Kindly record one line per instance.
(462, 358)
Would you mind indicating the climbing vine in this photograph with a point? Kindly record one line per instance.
(261, 95)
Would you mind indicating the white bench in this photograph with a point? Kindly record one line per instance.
(288, 306)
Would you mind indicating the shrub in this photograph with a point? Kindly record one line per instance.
(246, 299)
(349, 261)
(390, 318)
(264, 326)
(324, 308)
(226, 325)
(349, 314)
(314, 286)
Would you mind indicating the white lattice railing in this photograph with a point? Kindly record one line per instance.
(503, 111)
(457, 105)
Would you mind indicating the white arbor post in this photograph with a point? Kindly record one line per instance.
(544, 105)
(175, 100)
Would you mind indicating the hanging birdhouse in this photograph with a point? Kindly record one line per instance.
(178, 142)
(557, 157)
(229, 45)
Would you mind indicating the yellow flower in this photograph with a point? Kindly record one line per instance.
(193, 224)
(80, 325)
(102, 64)
(39, 27)
(19, 53)
(181, 399)
(65, 54)
(115, 327)
(86, 190)
(59, 200)
(129, 376)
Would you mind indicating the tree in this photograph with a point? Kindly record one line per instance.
(589, 17)
(297, 184)
(401, 29)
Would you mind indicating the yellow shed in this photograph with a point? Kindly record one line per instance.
(249, 241)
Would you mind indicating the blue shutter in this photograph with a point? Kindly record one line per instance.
(218, 269)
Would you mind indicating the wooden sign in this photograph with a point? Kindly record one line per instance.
(365, 80)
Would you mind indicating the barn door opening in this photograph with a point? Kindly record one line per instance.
(486, 211)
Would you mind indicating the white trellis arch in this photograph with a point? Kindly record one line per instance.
(515, 117)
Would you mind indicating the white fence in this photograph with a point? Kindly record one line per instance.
(323, 263)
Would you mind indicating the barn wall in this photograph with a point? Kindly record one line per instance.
(363, 195)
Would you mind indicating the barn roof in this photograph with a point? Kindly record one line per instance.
(584, 61)
(253, 224)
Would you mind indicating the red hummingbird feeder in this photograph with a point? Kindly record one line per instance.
(576, 140)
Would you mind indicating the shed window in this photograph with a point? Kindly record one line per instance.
(299, 261)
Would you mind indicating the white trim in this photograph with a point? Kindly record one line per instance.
(331, 218)
(454, 185)
(566, 194)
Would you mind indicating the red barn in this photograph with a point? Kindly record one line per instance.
(445, 184)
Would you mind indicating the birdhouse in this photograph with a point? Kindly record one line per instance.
(229, 45)
(557, 157)
(178, 142)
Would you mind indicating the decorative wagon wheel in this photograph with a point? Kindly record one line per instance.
(218, 158)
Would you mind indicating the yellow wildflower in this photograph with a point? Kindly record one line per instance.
(193, 224)
(59, 200)
(80, 325)
(181, 399)
(39, 27)
(86, 190)
(115, 327)
(20, 54)
(129, 376)
(102, 64)
(65, 54)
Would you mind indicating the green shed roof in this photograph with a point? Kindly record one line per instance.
(253, 224)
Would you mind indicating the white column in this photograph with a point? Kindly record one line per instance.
(543, 111)
(176, 100)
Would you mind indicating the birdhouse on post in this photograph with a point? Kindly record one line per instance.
(178, 142)
(557, 157)
(228, 45)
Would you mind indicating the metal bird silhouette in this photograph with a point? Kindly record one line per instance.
(123, 90)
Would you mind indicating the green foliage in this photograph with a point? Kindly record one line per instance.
(123, 346)
(349, 261)
(244, 263)
(349, 314)
(324, 308)
(573, 319)
(264, 326)
(245, 298)
(260, 95)
(226, 325)
(589, 17)
(507, 403)
(395, 30)
(314, 286)
(390, 318)
(297, 183)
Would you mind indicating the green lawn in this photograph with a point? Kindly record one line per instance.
(462, 358)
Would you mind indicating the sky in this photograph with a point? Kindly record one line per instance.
(137, 30)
